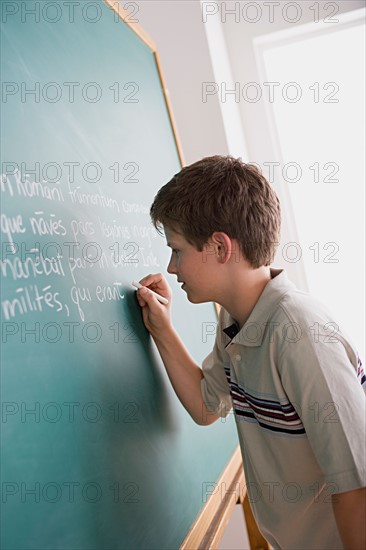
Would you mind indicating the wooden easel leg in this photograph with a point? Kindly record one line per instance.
(256, 539)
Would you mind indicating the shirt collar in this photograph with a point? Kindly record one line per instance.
(252, 332)
(232, 330)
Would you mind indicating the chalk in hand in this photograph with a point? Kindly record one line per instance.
(160, 298)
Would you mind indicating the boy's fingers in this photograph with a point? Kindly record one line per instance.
(154, 278)
(140, 299)
(145, 294)
(148, 279)
(148, 297)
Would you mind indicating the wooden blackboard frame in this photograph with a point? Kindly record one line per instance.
(134, 26)
(125, 16)
(208, 528)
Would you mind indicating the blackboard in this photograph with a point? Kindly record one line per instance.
(97, 451)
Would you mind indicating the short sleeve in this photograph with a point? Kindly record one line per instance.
(214, 384)
(322, 380)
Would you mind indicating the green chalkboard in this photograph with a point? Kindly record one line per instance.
(97, 451)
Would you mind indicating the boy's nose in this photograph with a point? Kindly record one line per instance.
(171, 267)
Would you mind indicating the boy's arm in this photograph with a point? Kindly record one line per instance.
(185, 376)
(183, 372)
(350, 512)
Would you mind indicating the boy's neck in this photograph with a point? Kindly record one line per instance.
(244, 293)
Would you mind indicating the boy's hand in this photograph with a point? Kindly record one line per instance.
(156, 315)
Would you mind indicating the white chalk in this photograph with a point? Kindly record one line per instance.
(160, 298)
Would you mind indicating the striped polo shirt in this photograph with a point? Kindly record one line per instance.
(296, 386)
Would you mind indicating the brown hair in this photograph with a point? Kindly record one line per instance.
(222, 193)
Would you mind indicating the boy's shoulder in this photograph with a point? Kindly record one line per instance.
(301, 307)
(283, 316)
(302, 319)
(281, 301)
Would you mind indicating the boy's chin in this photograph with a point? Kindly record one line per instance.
(197, 299)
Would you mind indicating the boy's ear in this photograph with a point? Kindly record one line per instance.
(223, 246)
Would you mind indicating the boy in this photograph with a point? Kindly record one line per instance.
(279, 360)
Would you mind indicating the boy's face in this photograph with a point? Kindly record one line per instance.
(196, 270)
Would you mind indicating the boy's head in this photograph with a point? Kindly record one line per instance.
(221, 193)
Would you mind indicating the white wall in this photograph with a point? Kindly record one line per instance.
(184, 32)
(177, 30)
(177, 27)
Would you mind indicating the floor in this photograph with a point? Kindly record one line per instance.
(235, 536)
